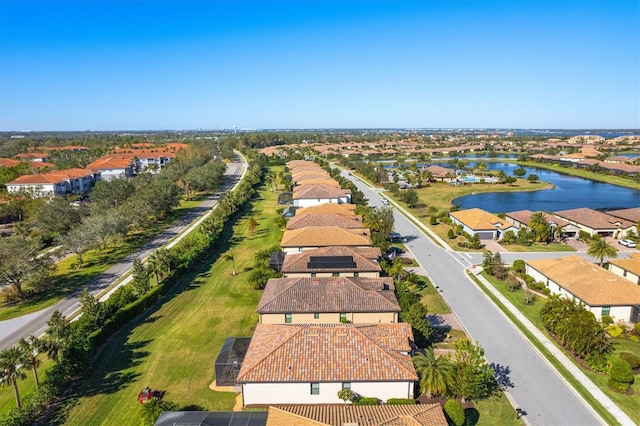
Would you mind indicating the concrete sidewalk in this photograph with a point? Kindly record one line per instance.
(557, 353)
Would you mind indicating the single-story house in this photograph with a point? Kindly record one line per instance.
(363, 415)
(212, 418)
(317, 181)
(328, 208)
(522, 218)
(632, 214)
(328, 301)
(594, 222)
(313, 237)
(329, 219)
(311, 195)
(485, 225)
(440, 173)
(309, 364)
(627, 268)
(333, 261)
(600, 291)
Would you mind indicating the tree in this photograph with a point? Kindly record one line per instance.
(140, 282)
(10, 373)
(253, 223)
(599, 248)
(540, 227)
(533, 178)
(91, 309)
(417, 317)
(58, 335)
(411, 198)
(381, 222)
(436, 373)
(29, 349)
(519, 172)
(58, 216)
(20, 260)
(112, 193)
(78, 241)
(152, 409)
(473, 377)
(231, 257)
(346, 395)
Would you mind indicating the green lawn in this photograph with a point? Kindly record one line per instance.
(537, 247)
(496, 410)
(174, 346)
(26, 386)
(435, 303)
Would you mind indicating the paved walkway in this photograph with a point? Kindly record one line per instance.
(604, 400)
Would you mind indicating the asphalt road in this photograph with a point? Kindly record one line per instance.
(533, 385)
(35, 323)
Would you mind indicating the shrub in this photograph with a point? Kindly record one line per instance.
(615, 330)
(451, 235)
(519, 266)
(620, 371)
(433, 220)
(606, 320)
(631, 358)
(584, 235)
(454, 411)
(366, 401)
(546, 291)
(617, 386)
(636, 328)
(597, 362)
(401, 401)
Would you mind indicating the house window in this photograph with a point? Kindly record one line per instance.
(315, 388)
(343, 317)
(624, 273)
(606, 310)
(316, 315)
(335, 274)
(346, 385)
(287, 318)
(356, 274)
(313, 275)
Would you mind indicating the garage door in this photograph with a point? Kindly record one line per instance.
(487, 235)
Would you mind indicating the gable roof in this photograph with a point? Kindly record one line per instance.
(55, 176)
(8, 162)
(323, 236)
(328, 294)
(317, 181)
(632, 264)
(365, 259)
(318, 191)
(478, 219)
(524, 216)
(330, 219)
(439, 171)
(594, 219)
(343, 414)
(329, 353)
(588, 282)
(632, 214)
(111, 162)
(328, 208)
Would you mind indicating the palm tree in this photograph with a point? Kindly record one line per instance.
(540, 227)
(599, 248)
(436, 373)
(230, 257)
(165, 260)
(154, 266)
(29, 355)
(58, 333)
(10, 371)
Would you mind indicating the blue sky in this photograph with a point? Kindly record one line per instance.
(109, 65)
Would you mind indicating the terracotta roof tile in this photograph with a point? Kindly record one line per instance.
(632, 264)
(594, 219)
(323, 236)
(341, 221)
(325, 295)
(111, 162)
(478, 219)
(318, 191)
(632, 214)
(302, 353)
(365, 259)
(588, 282)
(8, 162)
(328, 208)
(524, 216)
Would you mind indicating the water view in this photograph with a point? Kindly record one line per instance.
(569, 193)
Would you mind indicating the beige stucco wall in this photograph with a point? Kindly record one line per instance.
(332, 318)
(630, 276)
(328, 274)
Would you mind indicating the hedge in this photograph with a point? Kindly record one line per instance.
(631, 358)
(453, 409)
(367, 401)
(401, 401)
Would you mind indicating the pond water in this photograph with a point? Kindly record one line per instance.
(569, 193)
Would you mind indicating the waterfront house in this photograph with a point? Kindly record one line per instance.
(478, 222)
(594, 222)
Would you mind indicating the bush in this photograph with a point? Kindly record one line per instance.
(636, 328)
(451, 235)
(454, 411)
(631, 358)
(620, 371)
(366, 401)
(433, 220)
(606, 320)
(519, 266)
(401, 401)
(546, 291)
(597, 362)
(617, 386)
(615, 331)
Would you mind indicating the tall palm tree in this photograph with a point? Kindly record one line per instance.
(29, 355)
(58, 333)
(436, 373)
(10, 371)
(230, 257)
(599, 248)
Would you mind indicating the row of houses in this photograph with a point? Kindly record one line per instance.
(122, 163)
(331, 322)
(614, 223)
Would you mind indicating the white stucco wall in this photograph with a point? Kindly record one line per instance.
(630, 276)
(332, 318)
(300, 393)
(329, 274)
(308, 202)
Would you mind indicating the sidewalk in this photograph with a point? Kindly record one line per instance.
(600, 396)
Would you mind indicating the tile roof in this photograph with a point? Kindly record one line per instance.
(115, 161)
(632, 214)
(8, 162)
(329, 353)
(323, 236)
(317, 181)
(588, 282)
(328, 208)
(328, 294)
(365, 259)
(318, 219)
(594, 219)
(478, 219)
(343, 414)
(318, 191)
(632, 264)
(524, 216)
(439, 171)
(55, 176)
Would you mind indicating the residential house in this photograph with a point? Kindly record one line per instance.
(522, 218)
(328, 208)
(55, 183)
(113, 166)
(333, 261)
(309, 364)
(627, 268)
(594, 222)
(440, 173)
(328, 301)
(632, 214)
(600, 291)
(478, 222)
(339, 220)
(311, 195)
(313, 237)
(363, 415)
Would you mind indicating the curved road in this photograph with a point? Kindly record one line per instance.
(35, 323)
(535, 387)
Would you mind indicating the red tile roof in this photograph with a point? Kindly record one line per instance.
(341, 221)
(594, 219)
(365, 259)
(318, 191)
(323, 236)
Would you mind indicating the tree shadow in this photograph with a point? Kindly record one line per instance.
(472, 416)
(501, 374)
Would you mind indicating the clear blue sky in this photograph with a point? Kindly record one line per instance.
(109, 65)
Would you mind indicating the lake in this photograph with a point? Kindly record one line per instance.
(570, 192)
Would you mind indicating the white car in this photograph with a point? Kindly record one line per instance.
(627, 243)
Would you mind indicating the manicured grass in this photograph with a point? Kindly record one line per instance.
(96, 262)
(537, 247)
(435, 303)
(496, 410)
(26, 386)
(174, 346)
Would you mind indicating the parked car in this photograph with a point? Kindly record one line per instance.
(627, 243)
